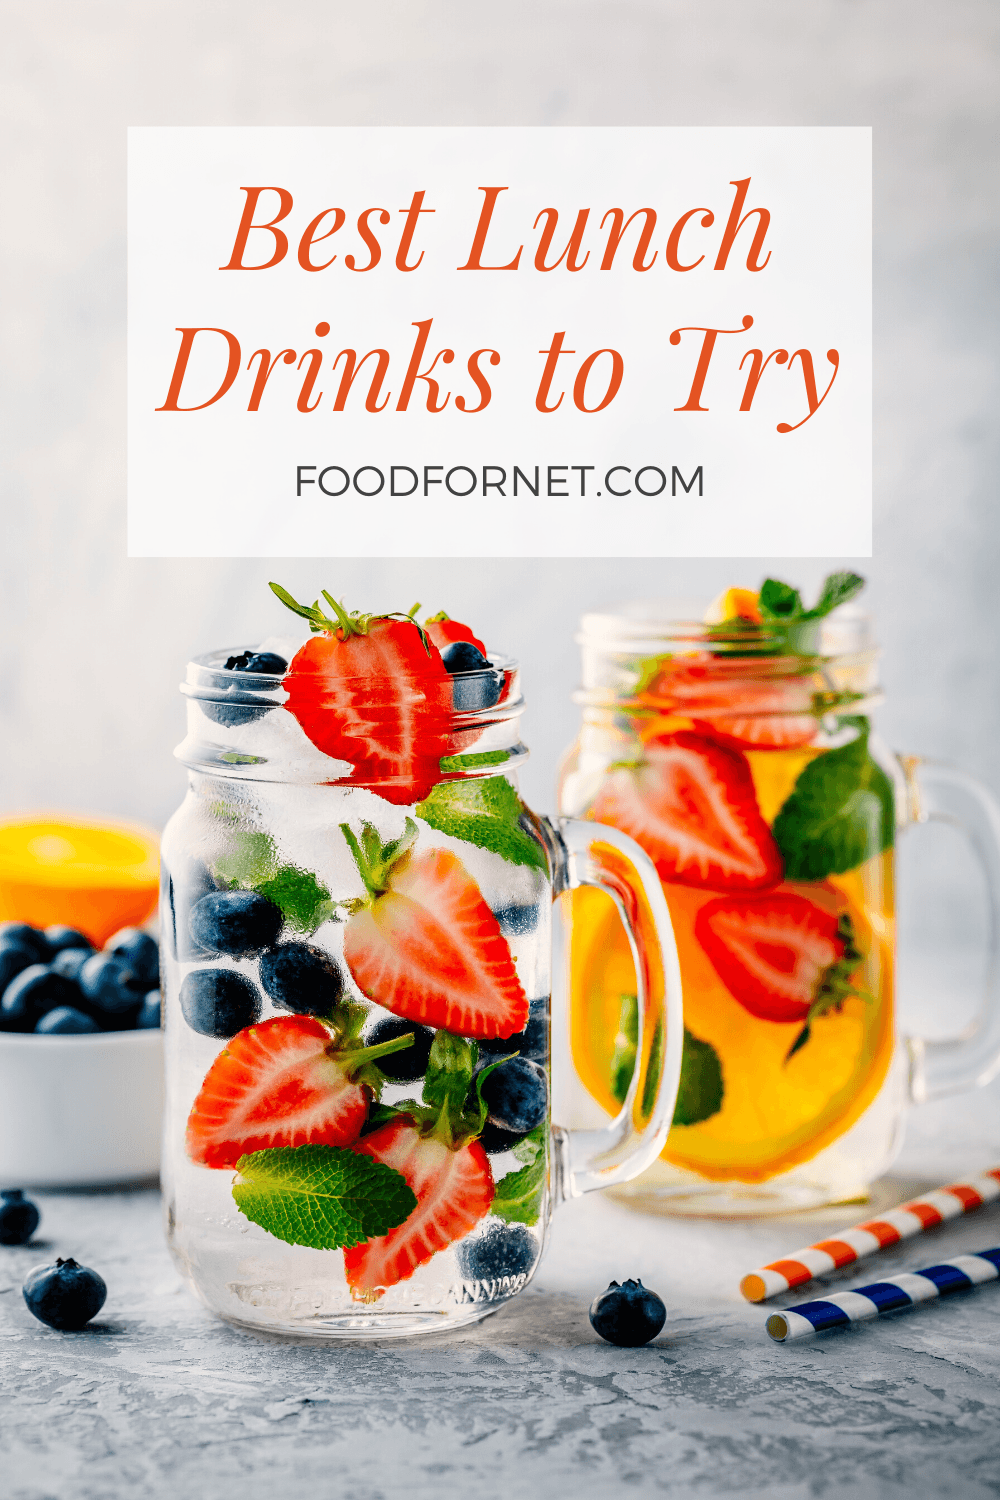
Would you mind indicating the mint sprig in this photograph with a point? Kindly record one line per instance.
(486, 812)
(473, 760)
(796, 628)
(840, 813)
(700, 1092)
(518, 1197)
(325, 1197)
(453, 1108)
(250, 863)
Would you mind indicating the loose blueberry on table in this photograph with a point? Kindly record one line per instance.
(19, 1218)
(65, 1296)
(628, 1315)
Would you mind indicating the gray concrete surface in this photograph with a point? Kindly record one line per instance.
(158, 1399)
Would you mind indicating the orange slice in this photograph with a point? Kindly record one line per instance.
(94, 875)
(776, 1111)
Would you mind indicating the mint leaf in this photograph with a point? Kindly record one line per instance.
(837, 589)
(528, 1147)
(322, 1196)
(485, 812)
(623, 1057)
(250, 863)
(518, 1197)
(839, 814)
(469, 762)
(701, 1091)
(779, 601)
(653, 1072)
(305, 902)
(248, 859)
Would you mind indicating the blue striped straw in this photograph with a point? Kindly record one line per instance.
(907, 1290)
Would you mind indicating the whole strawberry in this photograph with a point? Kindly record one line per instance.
(372, 690)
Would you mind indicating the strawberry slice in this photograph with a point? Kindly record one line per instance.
(372, 690)
(781, 956)
(289, 1081)
(454, 1190)
(691, 805)
(426, 945)
(443, 631)
(739, 703)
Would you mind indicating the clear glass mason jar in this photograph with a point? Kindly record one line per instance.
(295, 895)
(745, 764)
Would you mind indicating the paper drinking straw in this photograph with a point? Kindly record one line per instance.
(864, 1239)
(906, 1290)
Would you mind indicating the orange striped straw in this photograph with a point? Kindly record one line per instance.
(865, 1239)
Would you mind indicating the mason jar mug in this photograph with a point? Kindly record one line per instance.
(743, 759)
(356, 961)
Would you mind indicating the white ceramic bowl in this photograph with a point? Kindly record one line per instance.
(80, 1111)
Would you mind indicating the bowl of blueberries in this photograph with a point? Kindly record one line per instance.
(81, 1057)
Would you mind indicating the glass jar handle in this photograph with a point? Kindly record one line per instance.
(589, 854)
(941, 793)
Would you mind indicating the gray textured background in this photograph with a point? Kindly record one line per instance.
(93, 644)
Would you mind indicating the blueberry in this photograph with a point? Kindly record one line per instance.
(65, 1020)
(25, 936)
(517, 921)
(235, 922)
(627, 1315)
(139, 953)
(18, 1217)
(36, 990)
(470, 692)
(106, 982)
(494, 1141)
(532, 1042)
(269, 663)
(69, 961)
(148, 1018)
(503, 1250)
(300, 978)
(60, 937)
(14, 959)
(182, 890)
(516, 1095)
(219, 1002)
(66, 1296)
(463, 656)
(411, 1062)
(233, 715)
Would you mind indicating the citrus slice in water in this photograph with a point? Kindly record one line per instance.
(777, 1110)
(95, 875)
